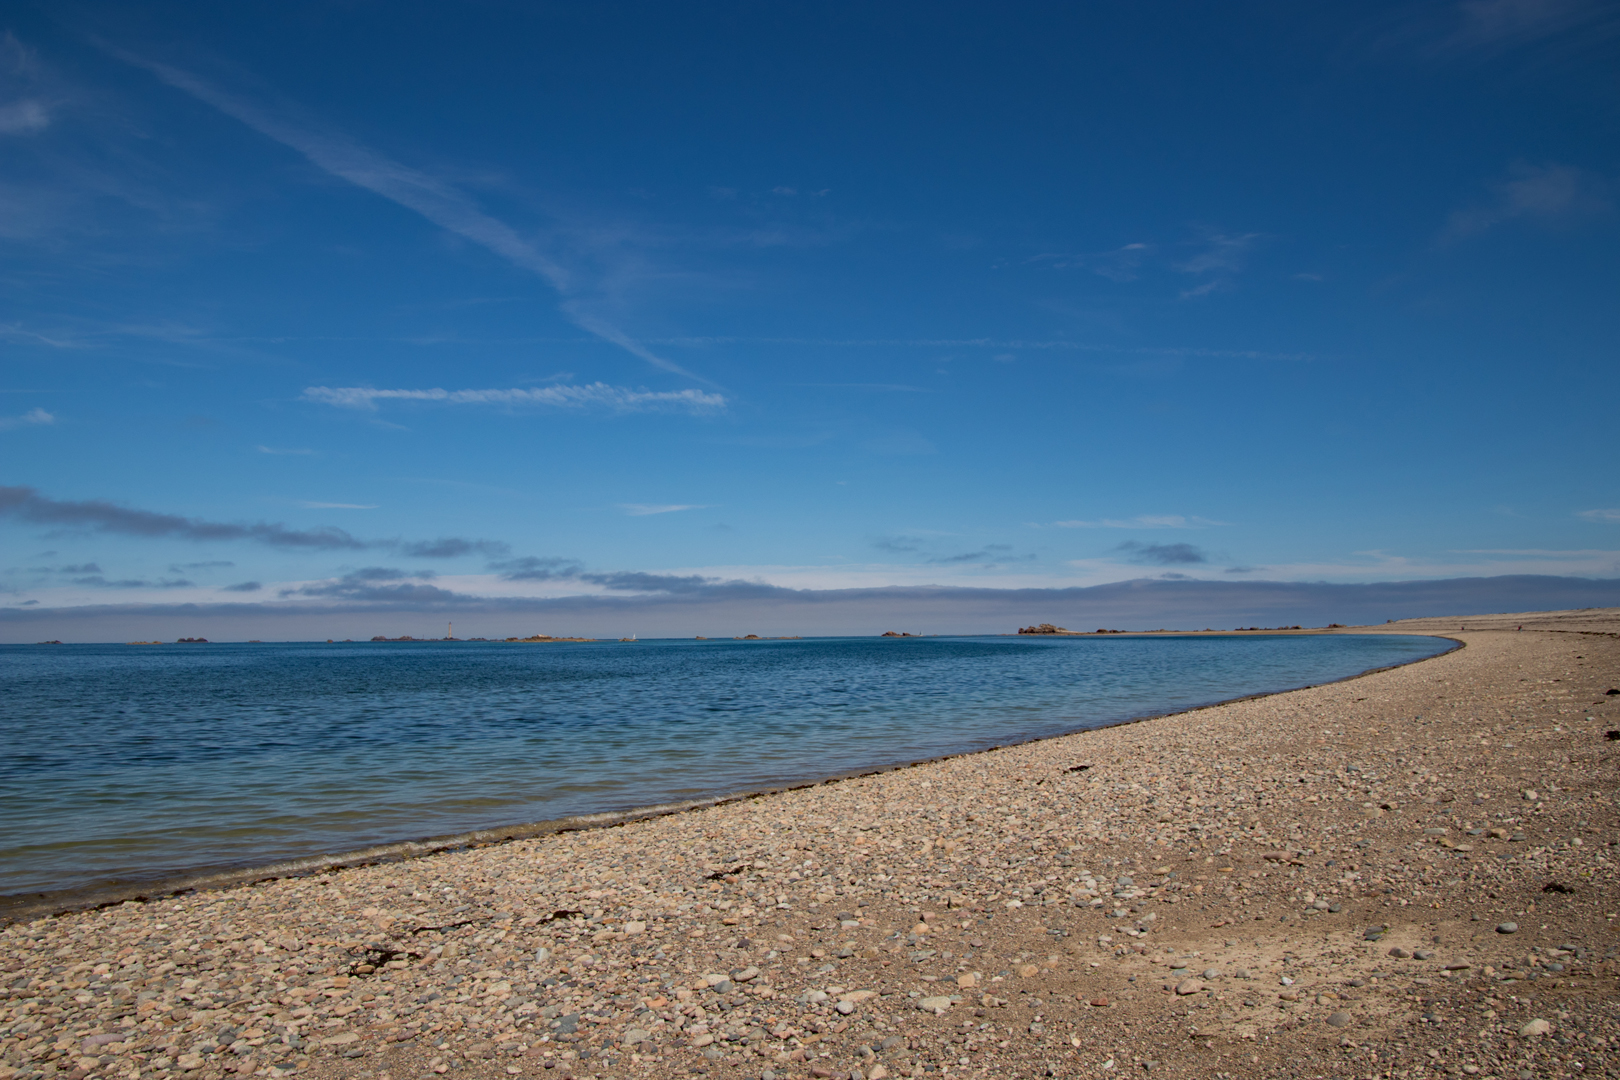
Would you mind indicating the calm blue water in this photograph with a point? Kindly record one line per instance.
(131, 763)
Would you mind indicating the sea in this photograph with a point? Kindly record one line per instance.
(133, 766)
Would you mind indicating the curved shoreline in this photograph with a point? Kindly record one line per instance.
(23, 906)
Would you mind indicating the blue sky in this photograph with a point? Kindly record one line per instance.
(402, 306)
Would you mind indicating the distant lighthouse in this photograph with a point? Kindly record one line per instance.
(449, 631)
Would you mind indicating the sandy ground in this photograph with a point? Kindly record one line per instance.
(1408, 874)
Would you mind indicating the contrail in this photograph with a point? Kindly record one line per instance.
(428, 196)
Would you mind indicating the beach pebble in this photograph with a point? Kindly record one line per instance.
(1339, 1019)
(1535, 1028)
(1188, 986)
(935, 1004)
(1507, 928)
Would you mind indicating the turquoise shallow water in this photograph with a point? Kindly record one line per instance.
(138, 763)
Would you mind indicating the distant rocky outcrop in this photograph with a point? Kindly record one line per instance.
(891, 633)
(1044, 628)
(191, 641)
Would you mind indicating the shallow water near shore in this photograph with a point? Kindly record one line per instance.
(127, 764)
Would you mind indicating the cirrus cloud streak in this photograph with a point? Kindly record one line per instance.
(591, 395)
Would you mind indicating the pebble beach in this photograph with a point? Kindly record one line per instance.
(1407, 874)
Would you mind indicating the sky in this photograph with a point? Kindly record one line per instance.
(713, 318)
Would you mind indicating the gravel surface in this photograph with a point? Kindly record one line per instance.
(1408, 874)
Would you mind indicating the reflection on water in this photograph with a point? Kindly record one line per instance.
(134, 763)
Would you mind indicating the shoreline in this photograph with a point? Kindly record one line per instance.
(20, 907)
(1410, 873)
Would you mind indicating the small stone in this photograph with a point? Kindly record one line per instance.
(1339, 1019)
(936, 1004)
(1029, 971)
(1507, 928)
(878, 1072)
(845, 1007)
(967, 979)
(1423, 954)
(1211, 974)
(635, 1035)
(1099, 1003)
(1535, 1028)
(635, 927)
(1188, 986)
(1531, 795)
(342, 1039)
(747, 974)
(1399, 953)
(189, 1062)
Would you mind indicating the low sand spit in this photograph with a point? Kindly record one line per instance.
(1409, 874)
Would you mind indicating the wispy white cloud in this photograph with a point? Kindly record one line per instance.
(15, 331)
(1607, 517)
(1543, 193)
(1218, 261)
(1121, 264)
(1142, 521)
(1548, 553)
(1213, 256)
(21, 81)
(32, 418)
(439, 202)
(24, 117)
(337, 506)
(597, 395)
(649, 509)
(1496, 23)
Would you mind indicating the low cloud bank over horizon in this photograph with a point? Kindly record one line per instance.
(723, 609)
